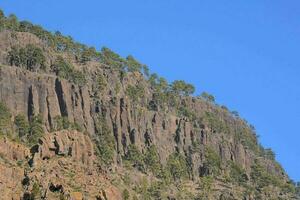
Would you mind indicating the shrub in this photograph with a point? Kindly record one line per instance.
(135, 93)
(262, 178)
(269, 154)
(22, 125)
(5, 119)
(135, 157)
(78, 77)
(12, 22)
(36, 191)
(133, 65)
(212, 162)
(36, 129)
(180, 87)
(62, 68)
(101, 82)
(237, 174)
(215, 123)
(186, 112)
(176, 166)
(125, 195)
(65, 70)
(152, 160)
(88, 54)
(207, 97)
(60, 123)
(1, 14)
(30, 57)
(105, 143)
(112, 59)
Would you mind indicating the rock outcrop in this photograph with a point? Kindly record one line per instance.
(64, 164)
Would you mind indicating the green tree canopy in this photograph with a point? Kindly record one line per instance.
(180, 87)
(22, 125)
(36, 129)
(110, 58)
(30, 57)
(208, 97)
(176, 165)
(133, 65)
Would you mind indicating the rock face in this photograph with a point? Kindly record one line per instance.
(64, 164)
(30, 93)
(61, 163)
(68, 144)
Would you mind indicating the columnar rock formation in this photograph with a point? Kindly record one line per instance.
(65, 164)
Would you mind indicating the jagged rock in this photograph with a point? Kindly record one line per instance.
(64, 161)
(66, 143)
(13, 151)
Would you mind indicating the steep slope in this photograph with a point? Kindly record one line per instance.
(82, 124)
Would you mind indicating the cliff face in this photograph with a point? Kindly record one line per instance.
(214, 144)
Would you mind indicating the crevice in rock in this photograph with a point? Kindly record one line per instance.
(55, 188)
(132, 136)
(49, 112)
(30, 109)
(122, 104)
(56, 147)
(124, 142)
(115, 131)
(82, 100)
(148, 139)
(60, 97)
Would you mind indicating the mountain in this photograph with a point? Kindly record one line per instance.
(79, 124)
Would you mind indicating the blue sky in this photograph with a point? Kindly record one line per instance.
(246, 53)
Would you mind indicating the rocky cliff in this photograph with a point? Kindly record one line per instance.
(110, 133)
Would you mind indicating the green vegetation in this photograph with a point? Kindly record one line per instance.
(269, 154)
(177, 166)
(186, 112)
(112, 59)
(135, 157)
(135, 93)
(160, 91)
(237, 173)
(36, 129)
(245, 135)
(101, 82)
(215, 122)
(55, 40)
(205, 186)
(61, 123)
(88, 54)
(28, 132)
(65, 70)
(207, 97)
(263, 178)
(104, 140)
(133, 65)
(36, 191)
(298, 189)
(22, 125)
(165, 96)
(180, 87)
(212, 162)
(152, 160)
(30, 58)
(152, 190)
(125, 195)
(5, 119)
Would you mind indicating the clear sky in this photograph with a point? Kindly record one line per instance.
(246, 53)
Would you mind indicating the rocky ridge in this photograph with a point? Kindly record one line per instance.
(218, 153)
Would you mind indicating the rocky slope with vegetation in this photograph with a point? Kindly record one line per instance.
(78, 124)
